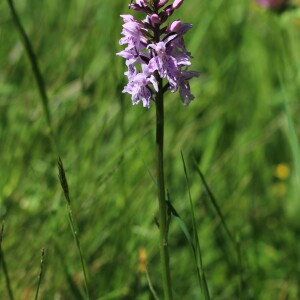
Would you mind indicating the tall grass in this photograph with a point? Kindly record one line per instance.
(52, 136)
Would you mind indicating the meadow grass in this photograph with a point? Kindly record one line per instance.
(241, 132)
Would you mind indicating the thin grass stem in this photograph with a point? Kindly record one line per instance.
(196, 242)
(65, 187)
(236, 242)
(44, 99)
(215, 204)
(4, 266)
(152, 290)
(40, 274)
(242, 286)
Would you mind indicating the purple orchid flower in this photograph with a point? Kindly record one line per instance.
(184, 86)
(272, 3)
(139, 88)
(155, 52)
(166, 65)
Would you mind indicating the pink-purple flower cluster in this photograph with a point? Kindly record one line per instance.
(272, 3)
(156, 56)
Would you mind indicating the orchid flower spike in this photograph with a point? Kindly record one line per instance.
(155, 52)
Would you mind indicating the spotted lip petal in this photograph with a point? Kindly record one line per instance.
(139, 90)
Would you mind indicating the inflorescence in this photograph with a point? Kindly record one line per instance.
(272, 3)
(155, 51)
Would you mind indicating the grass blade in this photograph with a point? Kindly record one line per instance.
(235, 241)
(292, 136)
(215, 203)
(152, 290)
(196, 242)
(77, 294)
(5, 270)
(33, 61)
(65, 187)
(190, 240)
(36, 72)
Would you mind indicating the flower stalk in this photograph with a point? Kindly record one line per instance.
(157, 62)
(163, 215)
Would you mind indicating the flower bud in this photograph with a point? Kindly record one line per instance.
(168, 11)
(139, 8)
(161, 3)
(175, 26)
(135, 7)
(141, 2)
(155, 19)
(177, 3)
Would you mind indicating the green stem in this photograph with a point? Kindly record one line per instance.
(40, 275)
(163, 216)
(3, 263)
(65, 187)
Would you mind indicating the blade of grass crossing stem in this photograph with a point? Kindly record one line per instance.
(41, 274)
(185, 231)
(65, 187)
(190, 240)
(4, 266)
(198, 254)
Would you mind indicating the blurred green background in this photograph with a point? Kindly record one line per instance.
(242, 129)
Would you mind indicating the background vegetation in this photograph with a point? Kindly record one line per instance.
(241, 130)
